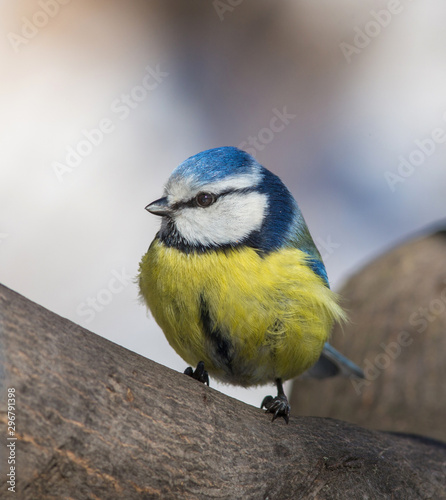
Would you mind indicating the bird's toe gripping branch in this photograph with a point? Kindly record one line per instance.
(199, 374)
(279, 405)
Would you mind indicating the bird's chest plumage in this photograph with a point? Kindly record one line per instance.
(251, 319)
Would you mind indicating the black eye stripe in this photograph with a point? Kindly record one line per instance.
(192, 203)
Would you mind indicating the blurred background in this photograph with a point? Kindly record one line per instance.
(101, 100)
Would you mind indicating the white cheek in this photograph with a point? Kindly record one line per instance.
(228, 221)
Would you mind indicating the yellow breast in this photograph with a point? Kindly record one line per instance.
(250, 318)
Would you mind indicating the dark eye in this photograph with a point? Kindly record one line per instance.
(205, 199)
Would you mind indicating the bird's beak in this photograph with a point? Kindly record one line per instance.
(159, 207)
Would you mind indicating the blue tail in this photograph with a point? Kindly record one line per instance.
(332, 363)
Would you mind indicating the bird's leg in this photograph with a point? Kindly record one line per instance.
(199, 374)
(279, 405)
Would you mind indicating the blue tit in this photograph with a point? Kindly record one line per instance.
(235, 280)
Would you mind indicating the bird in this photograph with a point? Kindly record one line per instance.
(235, 280)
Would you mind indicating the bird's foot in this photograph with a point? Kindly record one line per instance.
(279, 406)
(199, 374)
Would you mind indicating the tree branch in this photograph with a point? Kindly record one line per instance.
(96, 421)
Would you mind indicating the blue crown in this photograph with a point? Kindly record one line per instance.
(216, 164)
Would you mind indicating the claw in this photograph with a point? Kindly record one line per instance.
(199, 374)
(267, 400)
(279, 405)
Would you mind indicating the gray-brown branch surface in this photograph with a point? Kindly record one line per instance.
(96, 421)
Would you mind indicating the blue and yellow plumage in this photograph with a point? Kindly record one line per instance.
(234, 279)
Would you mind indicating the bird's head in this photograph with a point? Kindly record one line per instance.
(223, 198)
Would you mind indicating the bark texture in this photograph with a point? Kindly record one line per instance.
(96, 421)
(397, 334)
